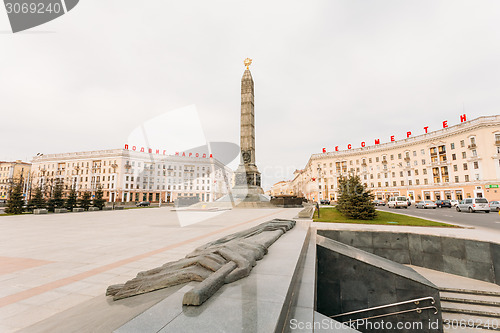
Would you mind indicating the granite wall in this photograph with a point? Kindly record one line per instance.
(469, 258)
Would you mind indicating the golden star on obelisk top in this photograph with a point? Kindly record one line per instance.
(247, 62)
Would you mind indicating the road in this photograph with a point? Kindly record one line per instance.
(479, 219)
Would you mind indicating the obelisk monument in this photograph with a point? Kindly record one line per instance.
(247, 176)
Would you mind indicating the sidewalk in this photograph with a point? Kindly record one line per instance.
(52, 263)
(480, 234)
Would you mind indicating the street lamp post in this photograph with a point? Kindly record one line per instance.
(319, 179)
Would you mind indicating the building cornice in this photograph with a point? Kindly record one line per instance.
(471, 125)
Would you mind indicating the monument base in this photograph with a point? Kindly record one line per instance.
(240, 197)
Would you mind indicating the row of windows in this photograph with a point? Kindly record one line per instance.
(434, 150)
(410, 182)
(78, 164)
(169, 187)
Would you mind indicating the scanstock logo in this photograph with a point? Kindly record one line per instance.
(26, 14)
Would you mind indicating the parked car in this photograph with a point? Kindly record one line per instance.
(472, 205)
(495, 206)
(397, 202)
(426, 204)
(443, 203)
(325, 202)
(454, 203)
(143, 204)
(379, 202)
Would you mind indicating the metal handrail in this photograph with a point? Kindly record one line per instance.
(418, 310)
(416, 301)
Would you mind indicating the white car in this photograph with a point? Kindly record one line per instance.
(454, 203)
(397, 202)
(473, 205)
(426, 204)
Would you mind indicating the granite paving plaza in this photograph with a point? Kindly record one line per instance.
(50, 264)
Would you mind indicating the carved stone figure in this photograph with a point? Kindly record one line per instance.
(223, 261)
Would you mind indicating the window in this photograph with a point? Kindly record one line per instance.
(423, 162)
(422, 151)
(402, 183)
(426, 181)
(417, 181)
(474, 152)
(473, 140)
(424, 171)
(465, 166)
(454, 157)
(386, 184)
(466, 178)
(462, 143)
(477, 176)
(392, 157)
(452, 145)
(370, 160)
(394, 183)
(409, 182)
(416, 172)
(455, 167)
(401, 174)
(415, 162)
(464, 154)
(376, 160)
(399, 156)
(476, 165)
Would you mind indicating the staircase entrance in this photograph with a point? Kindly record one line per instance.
(467, 305)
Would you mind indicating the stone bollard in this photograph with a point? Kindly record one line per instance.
(118, 207)
(107, 208)
(93, 209)
(78, 210)
(60, 210)
(40, 211)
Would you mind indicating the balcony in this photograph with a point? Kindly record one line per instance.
(497, 142)
(472, 146)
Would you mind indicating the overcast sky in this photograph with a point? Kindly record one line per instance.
(326, 73)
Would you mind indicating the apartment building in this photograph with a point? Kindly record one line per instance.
(457, 162)
(11, 172)
(125, 175)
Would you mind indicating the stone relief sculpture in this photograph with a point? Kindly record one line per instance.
(223, 261)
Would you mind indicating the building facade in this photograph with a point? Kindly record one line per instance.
(281, 188)
(457, 162)
(11, 172)
(128, 176)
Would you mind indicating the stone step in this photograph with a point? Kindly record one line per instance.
(470, 291)
(470, 298)
(471, 309)
(466, 330)
(455, 322)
